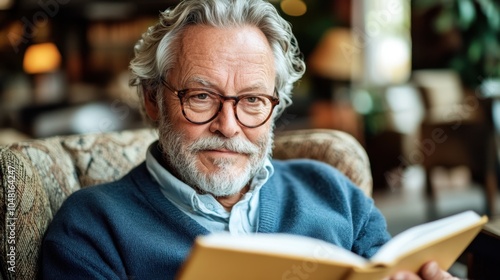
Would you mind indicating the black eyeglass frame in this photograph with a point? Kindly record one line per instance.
(182, 93)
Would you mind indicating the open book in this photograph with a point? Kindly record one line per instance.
(282, 256)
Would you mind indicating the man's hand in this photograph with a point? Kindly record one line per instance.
(429, 271)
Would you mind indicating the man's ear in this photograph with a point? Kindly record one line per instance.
(151, 105)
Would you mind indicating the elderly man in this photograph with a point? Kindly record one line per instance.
(213, 76)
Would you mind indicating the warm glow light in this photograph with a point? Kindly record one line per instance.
(41, 58)
(6, 4)
(294, 7)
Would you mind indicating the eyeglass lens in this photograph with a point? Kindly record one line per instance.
(201, 106)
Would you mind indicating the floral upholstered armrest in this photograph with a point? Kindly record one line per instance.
(38, 175)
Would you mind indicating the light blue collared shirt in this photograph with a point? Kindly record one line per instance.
(204, 208)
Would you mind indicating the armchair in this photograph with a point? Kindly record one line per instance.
(37, 176)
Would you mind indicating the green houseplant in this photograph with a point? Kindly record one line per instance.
(478, 22)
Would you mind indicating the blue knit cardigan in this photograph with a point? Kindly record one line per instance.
(128, 230)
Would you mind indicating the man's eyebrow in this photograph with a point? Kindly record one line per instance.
(203, 81)
(199, 80)
(258, 86)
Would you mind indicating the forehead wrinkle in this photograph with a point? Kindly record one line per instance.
(225, 67)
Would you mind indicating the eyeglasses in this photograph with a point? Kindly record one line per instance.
(200, 106)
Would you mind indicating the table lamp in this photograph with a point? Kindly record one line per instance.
(43, 61)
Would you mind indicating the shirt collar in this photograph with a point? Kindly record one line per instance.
(187, 199)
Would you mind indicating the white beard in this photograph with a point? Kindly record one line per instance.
(228, 179)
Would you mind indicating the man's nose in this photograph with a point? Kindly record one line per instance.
(226, 123)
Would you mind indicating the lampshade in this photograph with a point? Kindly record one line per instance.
(41, 58)
(336, 56)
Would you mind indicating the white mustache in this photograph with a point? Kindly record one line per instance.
(237, 145)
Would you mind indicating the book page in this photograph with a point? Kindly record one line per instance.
(420, 235)
(283, 244)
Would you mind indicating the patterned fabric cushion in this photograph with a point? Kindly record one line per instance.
(37, 176)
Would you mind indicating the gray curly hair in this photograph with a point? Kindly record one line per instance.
(155, 53)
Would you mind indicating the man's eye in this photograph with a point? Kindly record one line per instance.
(252, 99)
(200, 96)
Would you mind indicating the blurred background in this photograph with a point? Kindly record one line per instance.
(416, 82)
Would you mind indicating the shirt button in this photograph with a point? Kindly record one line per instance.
(210, 206)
